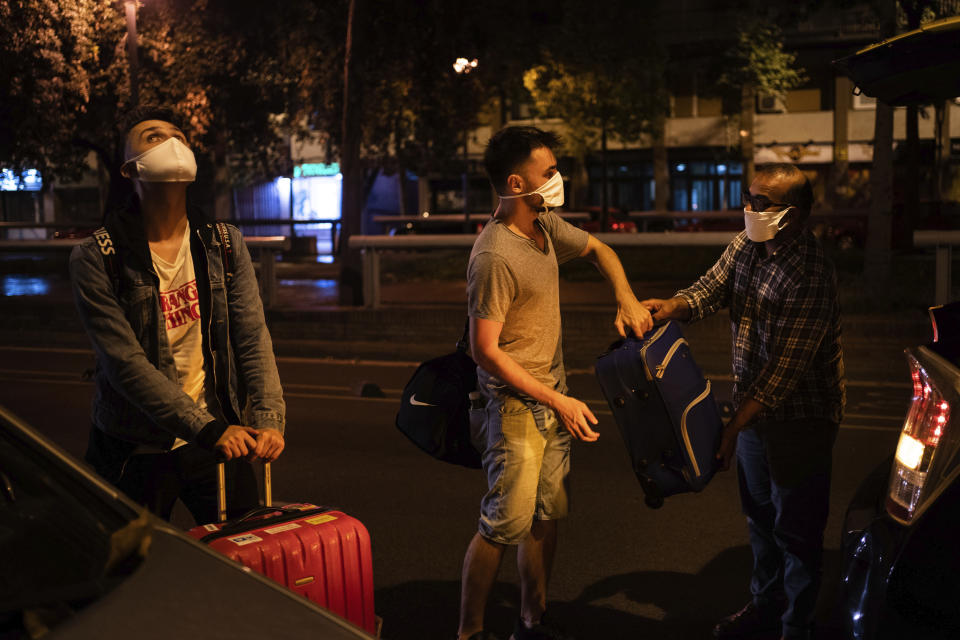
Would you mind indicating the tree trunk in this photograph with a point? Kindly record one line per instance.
(876, 265)
(351, 208)
(879, 232)
(579, 185)
(838, 196)
(604, 205)
(222, 191)
(748, 105)
(942, 161)
(661, 169)
(911, 191)
(911, 186)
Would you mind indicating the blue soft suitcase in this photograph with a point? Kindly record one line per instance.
(665, 410)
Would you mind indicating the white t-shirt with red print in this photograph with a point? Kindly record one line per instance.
(180, 305)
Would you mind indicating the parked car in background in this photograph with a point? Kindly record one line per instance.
(80, 560)
(901, 534)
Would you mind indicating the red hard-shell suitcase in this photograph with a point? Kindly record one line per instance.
(317, 552)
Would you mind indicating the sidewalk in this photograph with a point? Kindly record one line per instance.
(419, 320)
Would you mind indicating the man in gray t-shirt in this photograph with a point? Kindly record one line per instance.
(527, 422)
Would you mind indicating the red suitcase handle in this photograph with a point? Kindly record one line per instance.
(222, 490)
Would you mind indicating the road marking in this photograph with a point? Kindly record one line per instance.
(348, 361)
(37, 372)
(869, 427)
(871, 416)
(83, 383)
(327, 396)
(722, 377)
(726, 377)
(851, 427)
(47, 349)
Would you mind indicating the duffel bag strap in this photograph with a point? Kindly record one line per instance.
(463, 344)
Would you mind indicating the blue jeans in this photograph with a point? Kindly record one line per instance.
(784, 472)
(526, 456)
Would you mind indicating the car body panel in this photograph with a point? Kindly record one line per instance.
(122, 572)
(899, 579)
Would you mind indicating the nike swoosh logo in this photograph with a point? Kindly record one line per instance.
(417, 403)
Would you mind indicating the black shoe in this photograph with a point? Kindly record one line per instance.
(483, 635)
(540, 631)
(750, 622)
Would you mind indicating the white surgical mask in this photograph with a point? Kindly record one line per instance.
(763, 225)
(551, 191)
(169, 161)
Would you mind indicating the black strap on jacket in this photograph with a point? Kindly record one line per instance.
(111, 261)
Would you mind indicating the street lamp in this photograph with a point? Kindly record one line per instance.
(131, 10)
(463, 67)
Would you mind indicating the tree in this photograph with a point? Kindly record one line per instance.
(603, 85)
(66, 83)
(53, 53)
(397, 106)
(757, 65)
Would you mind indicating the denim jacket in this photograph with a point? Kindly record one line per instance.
(138, 397)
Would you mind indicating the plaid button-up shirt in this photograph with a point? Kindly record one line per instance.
(785, 320)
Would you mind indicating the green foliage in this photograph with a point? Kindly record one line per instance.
(53, 54)
(758, 58)
(413, 106)
(594, 81)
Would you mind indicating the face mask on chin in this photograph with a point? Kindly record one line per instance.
(763, 225)
(169, 161)
(551, 191)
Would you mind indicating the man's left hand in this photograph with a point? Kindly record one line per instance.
(269, 445)
(728, 444)
(634, 315)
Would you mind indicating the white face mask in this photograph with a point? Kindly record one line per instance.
(763, 225)
(169, 161)
(551, 191)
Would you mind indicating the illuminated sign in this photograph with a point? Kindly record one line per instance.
(316, 169)
(29, 180)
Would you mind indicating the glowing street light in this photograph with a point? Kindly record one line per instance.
(131, 10)
(462, 65)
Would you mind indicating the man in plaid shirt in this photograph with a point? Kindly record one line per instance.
(789, 392)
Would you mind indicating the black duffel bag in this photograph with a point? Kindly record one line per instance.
(435, 407)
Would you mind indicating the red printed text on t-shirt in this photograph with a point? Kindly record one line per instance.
(180, 305)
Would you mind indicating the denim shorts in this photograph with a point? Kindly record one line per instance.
(526, 456)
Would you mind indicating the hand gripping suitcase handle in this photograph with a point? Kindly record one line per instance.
(222, 490)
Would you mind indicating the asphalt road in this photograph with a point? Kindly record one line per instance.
(622, 570)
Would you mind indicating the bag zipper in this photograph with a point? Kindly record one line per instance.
(646, 344)
(683, 428)
(662, 367)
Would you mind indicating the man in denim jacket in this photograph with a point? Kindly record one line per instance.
(185, 369)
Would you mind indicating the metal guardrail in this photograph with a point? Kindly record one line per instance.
(268, 246)
(372, 246)
(943, 242)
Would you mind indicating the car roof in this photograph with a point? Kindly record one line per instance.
(917, 67)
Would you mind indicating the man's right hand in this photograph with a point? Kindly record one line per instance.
(671, 309)
(576, 417)
(236, 442)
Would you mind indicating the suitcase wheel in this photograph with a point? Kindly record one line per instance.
(653, 501)
(653, 496)
(619, 401)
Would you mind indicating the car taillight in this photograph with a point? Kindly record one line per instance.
(922, 431)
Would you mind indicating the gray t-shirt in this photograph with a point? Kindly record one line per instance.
(510, 280)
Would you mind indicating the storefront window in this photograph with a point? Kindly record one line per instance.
(705, 186)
